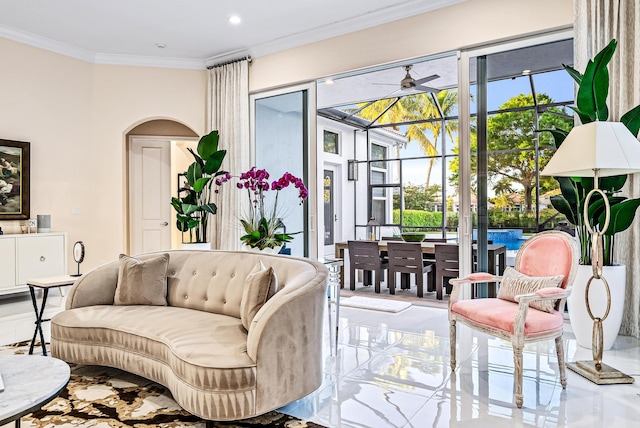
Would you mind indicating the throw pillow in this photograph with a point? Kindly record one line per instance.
(142, 282)
(515, 283)
(260, 285)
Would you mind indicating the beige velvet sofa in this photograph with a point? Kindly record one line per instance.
(196, 346)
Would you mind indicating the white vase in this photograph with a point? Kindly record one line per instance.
(581, 322)
(195, 246)
(274, 250)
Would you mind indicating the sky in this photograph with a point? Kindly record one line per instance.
(557, 84)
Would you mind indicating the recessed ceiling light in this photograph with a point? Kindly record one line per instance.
(526, 72)
(234, 19)
(329, 82)
(161, 45)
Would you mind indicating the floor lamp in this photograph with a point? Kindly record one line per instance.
(597, 149)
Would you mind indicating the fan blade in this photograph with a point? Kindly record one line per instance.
(426, 79)
(427, 89)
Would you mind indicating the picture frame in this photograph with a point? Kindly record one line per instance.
(15, 168)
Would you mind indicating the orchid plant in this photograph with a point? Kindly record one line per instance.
(263, 220)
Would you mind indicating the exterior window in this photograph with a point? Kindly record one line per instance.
(379, 177)
(378, 153)
(331, 142)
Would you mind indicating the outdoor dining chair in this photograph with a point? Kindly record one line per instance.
(406, 258)
(365, 255)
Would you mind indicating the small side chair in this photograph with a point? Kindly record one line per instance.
(529, 304)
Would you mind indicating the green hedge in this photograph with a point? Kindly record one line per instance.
(497, 219)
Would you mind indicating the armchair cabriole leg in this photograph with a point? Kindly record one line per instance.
(452, 344)
(561, 362)
(517, 380)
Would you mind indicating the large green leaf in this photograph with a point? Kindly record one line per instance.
(208, 144)
(594, 87)
(563, 207)
(631, 120)
(559, 135)
(613, 183)
(176, 203)
(194, 172)
(622, 216)
(597, 208)
(568, 189)
(213, 162)
(200, 184)
(577, 76)
(182, 226)
(584, 117)
(210, 208)
(196, 158)
(189, 209)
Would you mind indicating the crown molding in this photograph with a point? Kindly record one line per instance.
(149, 61)
(46, 44)
(336, 29)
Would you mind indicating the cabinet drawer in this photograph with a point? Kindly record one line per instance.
(40, 256)
(7, 262)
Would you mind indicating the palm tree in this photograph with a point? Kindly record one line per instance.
(412, 108)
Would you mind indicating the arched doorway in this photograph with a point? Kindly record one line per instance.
(156, 154)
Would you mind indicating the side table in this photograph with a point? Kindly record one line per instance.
(44, 284)
(334, 266)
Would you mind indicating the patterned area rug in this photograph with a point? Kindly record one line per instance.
(104, 397)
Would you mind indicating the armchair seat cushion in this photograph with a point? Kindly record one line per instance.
(501, 314)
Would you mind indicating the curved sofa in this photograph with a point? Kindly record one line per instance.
(197, 346)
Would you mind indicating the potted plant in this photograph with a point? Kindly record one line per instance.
(193, 203)
(593, 90)
(263, 226)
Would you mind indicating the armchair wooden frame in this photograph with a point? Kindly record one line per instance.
(560, 244)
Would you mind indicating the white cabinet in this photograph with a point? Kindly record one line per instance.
(30, 256)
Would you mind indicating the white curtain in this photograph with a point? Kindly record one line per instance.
(228, 100)
(596, 23)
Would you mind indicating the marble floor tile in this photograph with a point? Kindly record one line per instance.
(393, 370)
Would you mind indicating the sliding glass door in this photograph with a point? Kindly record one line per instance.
(281, 143)
(508, 94)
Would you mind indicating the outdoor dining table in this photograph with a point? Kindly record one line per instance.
(497, 257)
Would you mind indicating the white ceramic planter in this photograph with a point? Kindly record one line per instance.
(195, 246)
(581, 323)
(275, 250)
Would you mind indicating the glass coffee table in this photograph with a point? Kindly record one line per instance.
(30, 382)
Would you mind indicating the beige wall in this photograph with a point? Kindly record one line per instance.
(76, 116)
(466, 24)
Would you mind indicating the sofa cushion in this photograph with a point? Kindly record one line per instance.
(515, 283)
(142, 282)
(259, 287)
(206, 350)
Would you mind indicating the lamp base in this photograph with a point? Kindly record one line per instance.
(607, 375)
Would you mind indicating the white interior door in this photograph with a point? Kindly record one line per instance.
(150, 194)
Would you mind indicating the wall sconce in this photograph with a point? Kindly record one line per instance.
(373, 229)
(352, 170)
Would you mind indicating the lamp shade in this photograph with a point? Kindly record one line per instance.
(608, 147)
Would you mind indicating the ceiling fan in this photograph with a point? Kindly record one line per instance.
(411, 84)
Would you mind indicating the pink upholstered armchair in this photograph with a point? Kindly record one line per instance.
(530, 300)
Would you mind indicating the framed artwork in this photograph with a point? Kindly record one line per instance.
(14, 180)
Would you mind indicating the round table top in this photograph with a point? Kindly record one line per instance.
(30, 382)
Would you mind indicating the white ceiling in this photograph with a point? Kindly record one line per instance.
(195, 32)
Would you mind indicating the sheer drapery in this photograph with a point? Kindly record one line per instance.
(228, 100)
(596, 23)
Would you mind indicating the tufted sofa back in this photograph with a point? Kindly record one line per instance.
(211, 281)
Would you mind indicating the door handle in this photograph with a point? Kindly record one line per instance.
(335, 217)
(164, 223)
